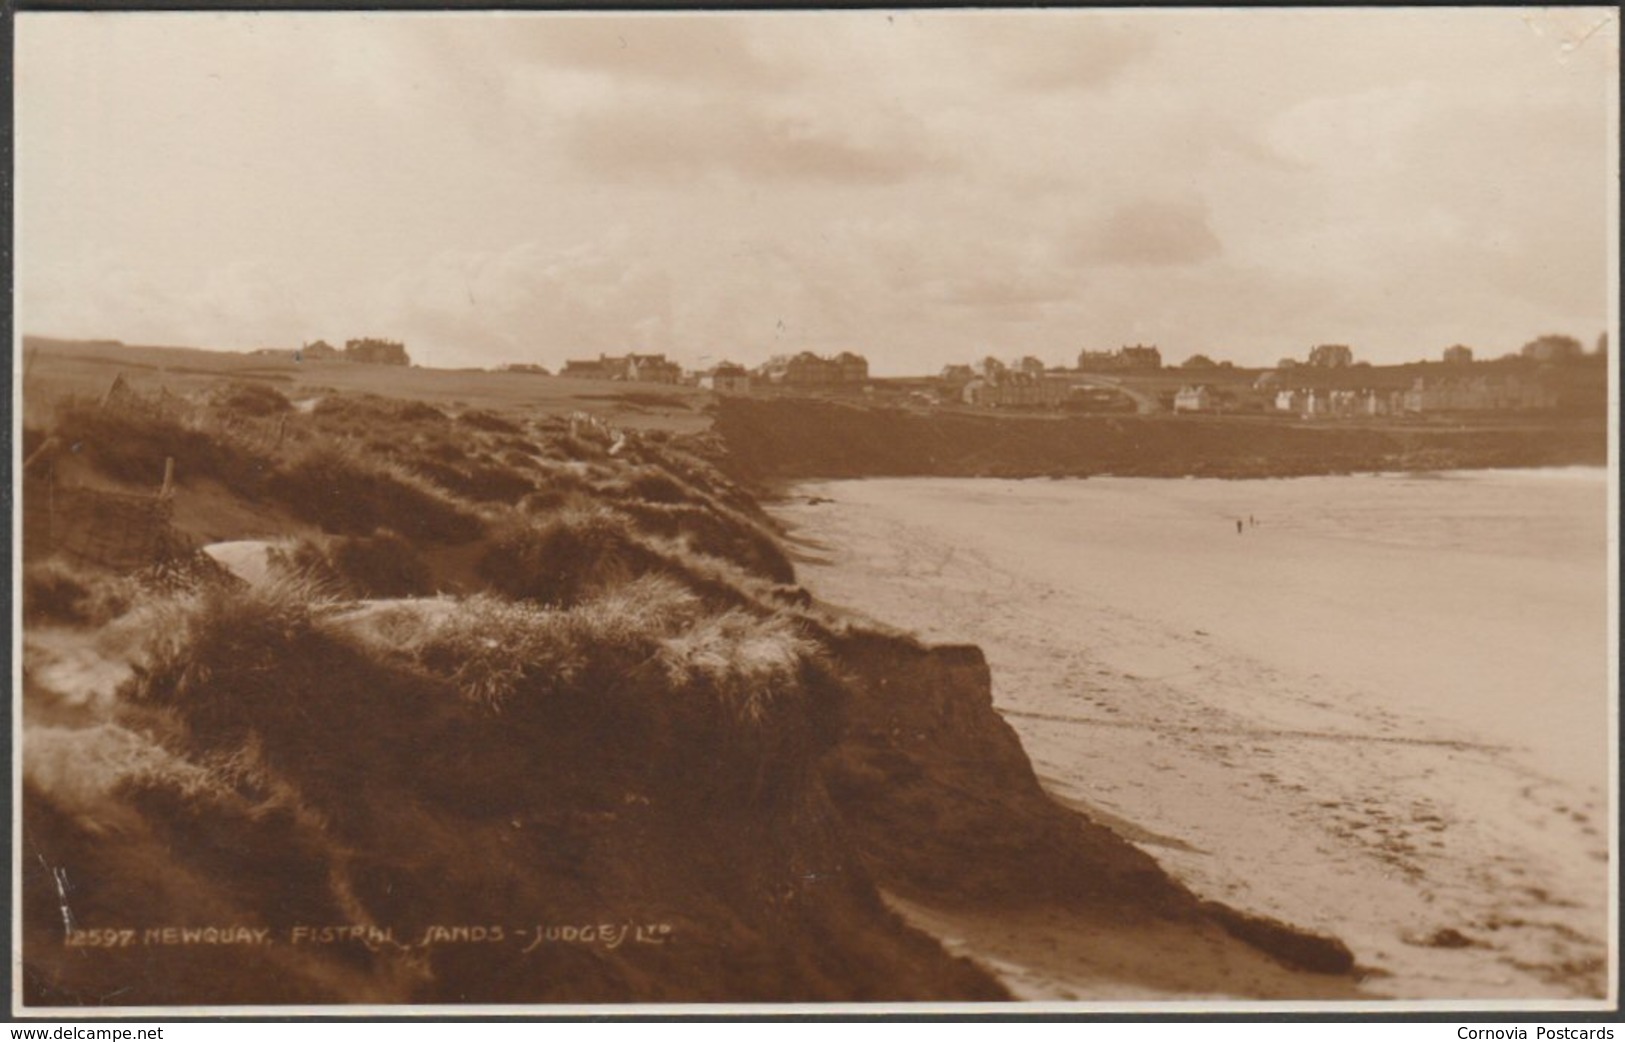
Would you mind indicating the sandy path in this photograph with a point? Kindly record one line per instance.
(1282, 751)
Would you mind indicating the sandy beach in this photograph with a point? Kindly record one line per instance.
(1379, 710)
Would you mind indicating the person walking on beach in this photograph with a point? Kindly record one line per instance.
(1238, 526)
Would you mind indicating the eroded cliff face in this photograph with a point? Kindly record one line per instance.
(935, 790)
(794, 438)
(943, 801)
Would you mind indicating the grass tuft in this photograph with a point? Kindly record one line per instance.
(131, 444)
(481, 420)
(244, 634)
(250, 399)
(349, 494)
(383, 564)
(742, 661)
(566, 558)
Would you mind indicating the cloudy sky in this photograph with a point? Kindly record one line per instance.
(923, 187)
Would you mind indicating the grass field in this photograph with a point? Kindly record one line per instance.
(53, 369)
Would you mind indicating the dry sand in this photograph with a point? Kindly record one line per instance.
(1381, 712)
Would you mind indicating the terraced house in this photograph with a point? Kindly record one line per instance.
(809, 370)
(635, 367)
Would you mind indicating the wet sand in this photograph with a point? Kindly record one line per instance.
(1380, 710)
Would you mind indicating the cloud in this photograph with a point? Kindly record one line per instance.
(709, 52)
(1150, 232)
(1007, 293)
(107, 294)
(920, 185)
(748, 142)
(527, 303)
(1076, 51)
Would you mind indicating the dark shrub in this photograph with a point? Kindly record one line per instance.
(381, 565)
(563, 560)
(250, 399)
(479, 481)
(57, 591)
(657, 487)
(715, 531)
(369, 413)
(131, 444)
(418, 412)
(481, 420)
(223, 656)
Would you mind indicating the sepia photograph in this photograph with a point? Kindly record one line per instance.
(1071, 510)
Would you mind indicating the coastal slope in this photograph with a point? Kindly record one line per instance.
(400, 703)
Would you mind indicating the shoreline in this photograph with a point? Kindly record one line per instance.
(1184, 733)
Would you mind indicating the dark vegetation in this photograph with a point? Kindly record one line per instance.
(801, 438)
(58, 591)
(516, 672)
(344, 492)
(383, 564)
(251, 399)
(130, 444)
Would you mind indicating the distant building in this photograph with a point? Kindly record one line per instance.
(376, 351)
(653, 369)
(854, 368)
(807, 370)
(1139, 356)
(634, 367)
(1458, 354)
(1342, 402)
(601, 368)
(990, 368)
(319, 351)
(1197, 398)
(1509, 393)
(726, 378)
(774, 371)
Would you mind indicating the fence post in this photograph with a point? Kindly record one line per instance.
(48, 445)
(112, 389)
(169, 478)
(50, 509)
